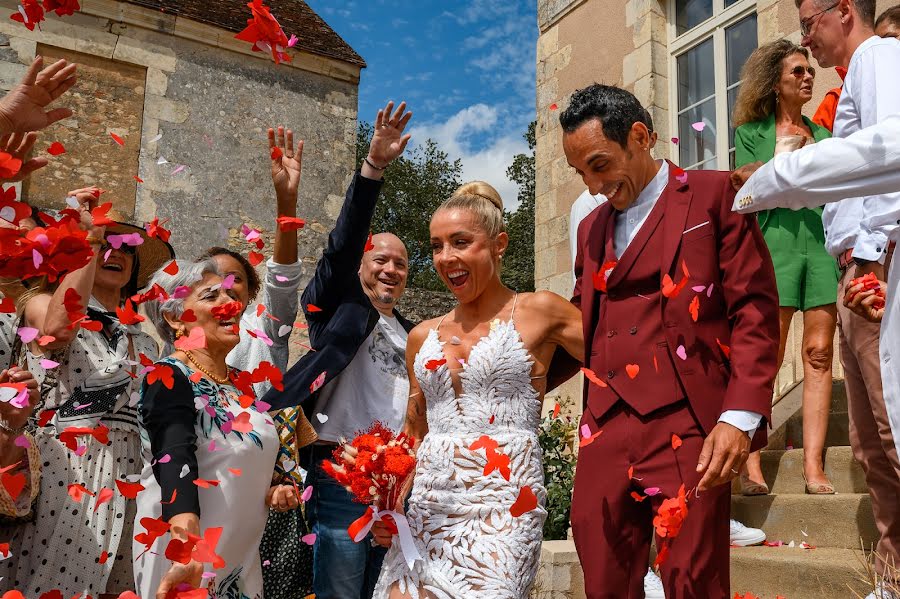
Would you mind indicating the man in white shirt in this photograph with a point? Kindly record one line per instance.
(841, 34)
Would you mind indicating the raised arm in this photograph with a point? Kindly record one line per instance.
(23, 109)
(47, 312)
(337, 270)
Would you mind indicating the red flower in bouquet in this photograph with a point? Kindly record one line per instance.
(52, 251)
(264, 32)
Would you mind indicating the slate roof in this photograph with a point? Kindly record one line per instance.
(295, 17)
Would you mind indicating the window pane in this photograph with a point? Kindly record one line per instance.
(740, 42)
(698, 146)
(696, 77)
(690, 13)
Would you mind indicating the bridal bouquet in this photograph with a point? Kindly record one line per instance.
(384, 462)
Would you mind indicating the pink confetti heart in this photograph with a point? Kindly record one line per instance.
(709, 291)
(165, 459)
(650, 492)
(309, 539)
(262, 406)
(293, 41)
(212, 446)
(585, 431)
(698, 126)
(208, 575)
(681, 178)
(681, 352)
(266, 563)
(228, 282)
(36, 258)
(22, 441)
(48, 364)
(79, 451)
(181, 292)
(699, 288)
(281, 278)
(178, 169)
(27, 334)
(106, 255)
(307, 493)
(675, 140)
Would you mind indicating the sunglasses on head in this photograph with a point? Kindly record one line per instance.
(799, 70)
(124, 248)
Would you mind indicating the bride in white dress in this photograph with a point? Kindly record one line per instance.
(477, 380)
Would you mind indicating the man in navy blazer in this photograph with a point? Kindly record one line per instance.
(356, 373)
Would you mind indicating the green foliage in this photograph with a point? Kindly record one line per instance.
(417, 183)
(518, 263)
(556, 437)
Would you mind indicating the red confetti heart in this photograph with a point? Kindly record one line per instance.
(632, 370)
(434, 364)
(525, 502)
(676, 441)
(171, 268)
(117, 139)
(56, 149)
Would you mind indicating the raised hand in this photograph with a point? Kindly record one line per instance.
(88, 199)
(23, 108)
(388, 140)
(287, 163)
(18, 145)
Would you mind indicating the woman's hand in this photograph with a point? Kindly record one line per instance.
(88, 198)
(286, 164)
(282, 498)
(382, 534)
(22, 109)
(388, 140)
(18, 145)
(190, 573)
(17, 417)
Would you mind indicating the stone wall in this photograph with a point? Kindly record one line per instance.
(211, 99)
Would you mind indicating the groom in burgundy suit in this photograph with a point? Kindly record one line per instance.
(680, 315)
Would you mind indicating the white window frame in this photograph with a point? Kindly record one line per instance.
(679, 44)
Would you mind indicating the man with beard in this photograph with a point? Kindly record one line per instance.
(351, 378)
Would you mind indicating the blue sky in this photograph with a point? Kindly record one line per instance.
(465, 67)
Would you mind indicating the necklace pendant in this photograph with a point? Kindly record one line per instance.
(454, 340)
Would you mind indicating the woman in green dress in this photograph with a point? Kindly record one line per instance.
(777, 81)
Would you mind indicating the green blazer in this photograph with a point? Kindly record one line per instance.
(755, 142)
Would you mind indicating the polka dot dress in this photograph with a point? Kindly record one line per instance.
(80, 547)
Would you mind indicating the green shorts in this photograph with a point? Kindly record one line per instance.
(806, 275)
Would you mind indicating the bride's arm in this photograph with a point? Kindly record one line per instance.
(566, 333)
(416, 424)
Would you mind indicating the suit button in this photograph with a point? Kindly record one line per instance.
(611, 334)
(633, 331)
(611, 374)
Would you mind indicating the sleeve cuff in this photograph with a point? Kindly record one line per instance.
(871, 246)
(283, 275)
(744, 420)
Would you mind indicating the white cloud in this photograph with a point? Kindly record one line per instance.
(486, 163)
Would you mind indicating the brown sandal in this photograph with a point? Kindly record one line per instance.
(751, 488)
(825, 488)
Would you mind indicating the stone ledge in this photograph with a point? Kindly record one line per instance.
(551, 11)
(560, 575)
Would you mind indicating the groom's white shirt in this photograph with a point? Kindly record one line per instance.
(865, 163)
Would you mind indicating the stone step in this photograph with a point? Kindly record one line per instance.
(794, 573)
(821, 520)
(838, 431)
(788, 409)
(783, 470)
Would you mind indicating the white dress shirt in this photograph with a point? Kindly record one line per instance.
(867, 162)
(871, 93)
(628, 223)
(584, 205)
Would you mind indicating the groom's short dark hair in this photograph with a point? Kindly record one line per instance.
(616, 108)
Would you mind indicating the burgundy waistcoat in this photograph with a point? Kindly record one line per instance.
(629, 350)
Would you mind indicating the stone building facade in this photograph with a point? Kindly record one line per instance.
(192, 106)
(682, 59)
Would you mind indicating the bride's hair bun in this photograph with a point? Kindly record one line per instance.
(482, 199)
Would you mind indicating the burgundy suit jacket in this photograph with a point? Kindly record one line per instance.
(719, 247)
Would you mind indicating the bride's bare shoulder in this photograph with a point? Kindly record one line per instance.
(542, 301)
(419, 332)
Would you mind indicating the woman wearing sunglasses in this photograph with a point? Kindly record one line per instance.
(777, 83)
(85, 346)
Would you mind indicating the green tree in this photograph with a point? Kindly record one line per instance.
(518, 263)
(415, 185)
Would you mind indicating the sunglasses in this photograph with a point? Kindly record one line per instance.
(807, 23)
(124, 248)
(799, 70)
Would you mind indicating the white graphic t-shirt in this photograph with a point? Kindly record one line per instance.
(374, 386)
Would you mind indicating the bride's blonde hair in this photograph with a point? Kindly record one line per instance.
(481, 199)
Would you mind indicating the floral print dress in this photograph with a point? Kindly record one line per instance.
(204, 453)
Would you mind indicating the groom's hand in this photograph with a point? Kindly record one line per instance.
(724, 452)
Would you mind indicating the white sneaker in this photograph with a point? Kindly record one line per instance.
(744, 536)
(653, 588)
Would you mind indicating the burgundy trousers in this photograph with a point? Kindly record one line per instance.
(613, 531)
